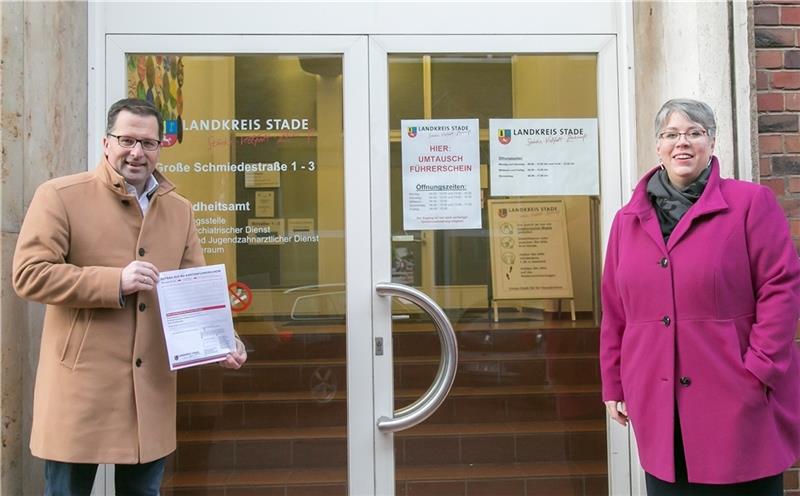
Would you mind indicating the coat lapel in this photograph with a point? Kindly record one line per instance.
(114, 180)
(641, 207)
(710, 202)
(110, 177)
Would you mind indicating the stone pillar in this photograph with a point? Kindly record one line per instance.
(13, 313)
(683, 50)
(43, 102)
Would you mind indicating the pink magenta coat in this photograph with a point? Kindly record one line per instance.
(706, 322)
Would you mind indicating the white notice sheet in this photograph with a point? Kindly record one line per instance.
(441, 174)
(538, 157)
(196, 315)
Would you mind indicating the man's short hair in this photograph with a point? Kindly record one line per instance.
(135, 106)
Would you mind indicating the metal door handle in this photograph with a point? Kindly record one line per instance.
(425, 405)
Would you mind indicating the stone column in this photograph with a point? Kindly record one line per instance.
(43, 102)
(13, 312)
(683, 50)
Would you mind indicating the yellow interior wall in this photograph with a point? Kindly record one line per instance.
(563, 86)
(330, 180)
(208, 93)
(560, 86)
(555, 86)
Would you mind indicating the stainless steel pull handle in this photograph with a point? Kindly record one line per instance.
(425, 405)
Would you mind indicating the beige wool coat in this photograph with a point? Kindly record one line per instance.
(104, 392)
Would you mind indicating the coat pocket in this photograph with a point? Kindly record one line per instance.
(762, 388)
(76, 336)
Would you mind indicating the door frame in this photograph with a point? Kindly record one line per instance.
(390, 22)
(608, 115)
(353, 48)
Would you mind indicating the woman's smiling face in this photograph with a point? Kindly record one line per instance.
(684, 158)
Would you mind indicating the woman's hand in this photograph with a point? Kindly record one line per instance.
(618, 412)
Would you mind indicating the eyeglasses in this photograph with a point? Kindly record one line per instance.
(691, 135)
(148, 145)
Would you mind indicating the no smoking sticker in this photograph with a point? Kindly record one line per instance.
(241, 296)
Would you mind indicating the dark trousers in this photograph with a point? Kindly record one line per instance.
(768, 486)
(77, 479)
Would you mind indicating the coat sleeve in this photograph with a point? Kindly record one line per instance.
(613, 322)
(192, 251)
(40, 269)
(775, 273)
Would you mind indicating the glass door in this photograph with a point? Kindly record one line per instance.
(293, 151)
(489, 150)
(258, 138)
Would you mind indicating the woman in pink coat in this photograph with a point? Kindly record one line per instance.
(700, 296)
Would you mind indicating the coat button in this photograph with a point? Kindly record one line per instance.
(666, 321)
(142, 306)
(138, 362)
(141, 252)
(663, 262)
(686, 381)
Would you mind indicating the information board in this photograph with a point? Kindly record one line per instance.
(529, 249)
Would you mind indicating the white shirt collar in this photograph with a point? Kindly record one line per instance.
(144, 198)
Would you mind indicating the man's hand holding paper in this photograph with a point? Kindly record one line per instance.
(236, 359)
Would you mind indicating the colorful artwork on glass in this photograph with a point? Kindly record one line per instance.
(159, 80)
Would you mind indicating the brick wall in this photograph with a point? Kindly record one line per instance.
(777, 47)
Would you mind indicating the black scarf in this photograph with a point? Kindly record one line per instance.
(672, 203)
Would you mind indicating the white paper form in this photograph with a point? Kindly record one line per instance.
(441, 174)
(196, 315)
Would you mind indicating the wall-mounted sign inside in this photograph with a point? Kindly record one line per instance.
(531, 157)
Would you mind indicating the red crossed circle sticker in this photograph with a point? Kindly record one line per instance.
(241, 296)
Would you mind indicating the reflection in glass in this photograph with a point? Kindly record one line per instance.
(255, 142)
(525, 415)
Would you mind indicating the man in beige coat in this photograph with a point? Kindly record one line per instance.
(91, 248)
